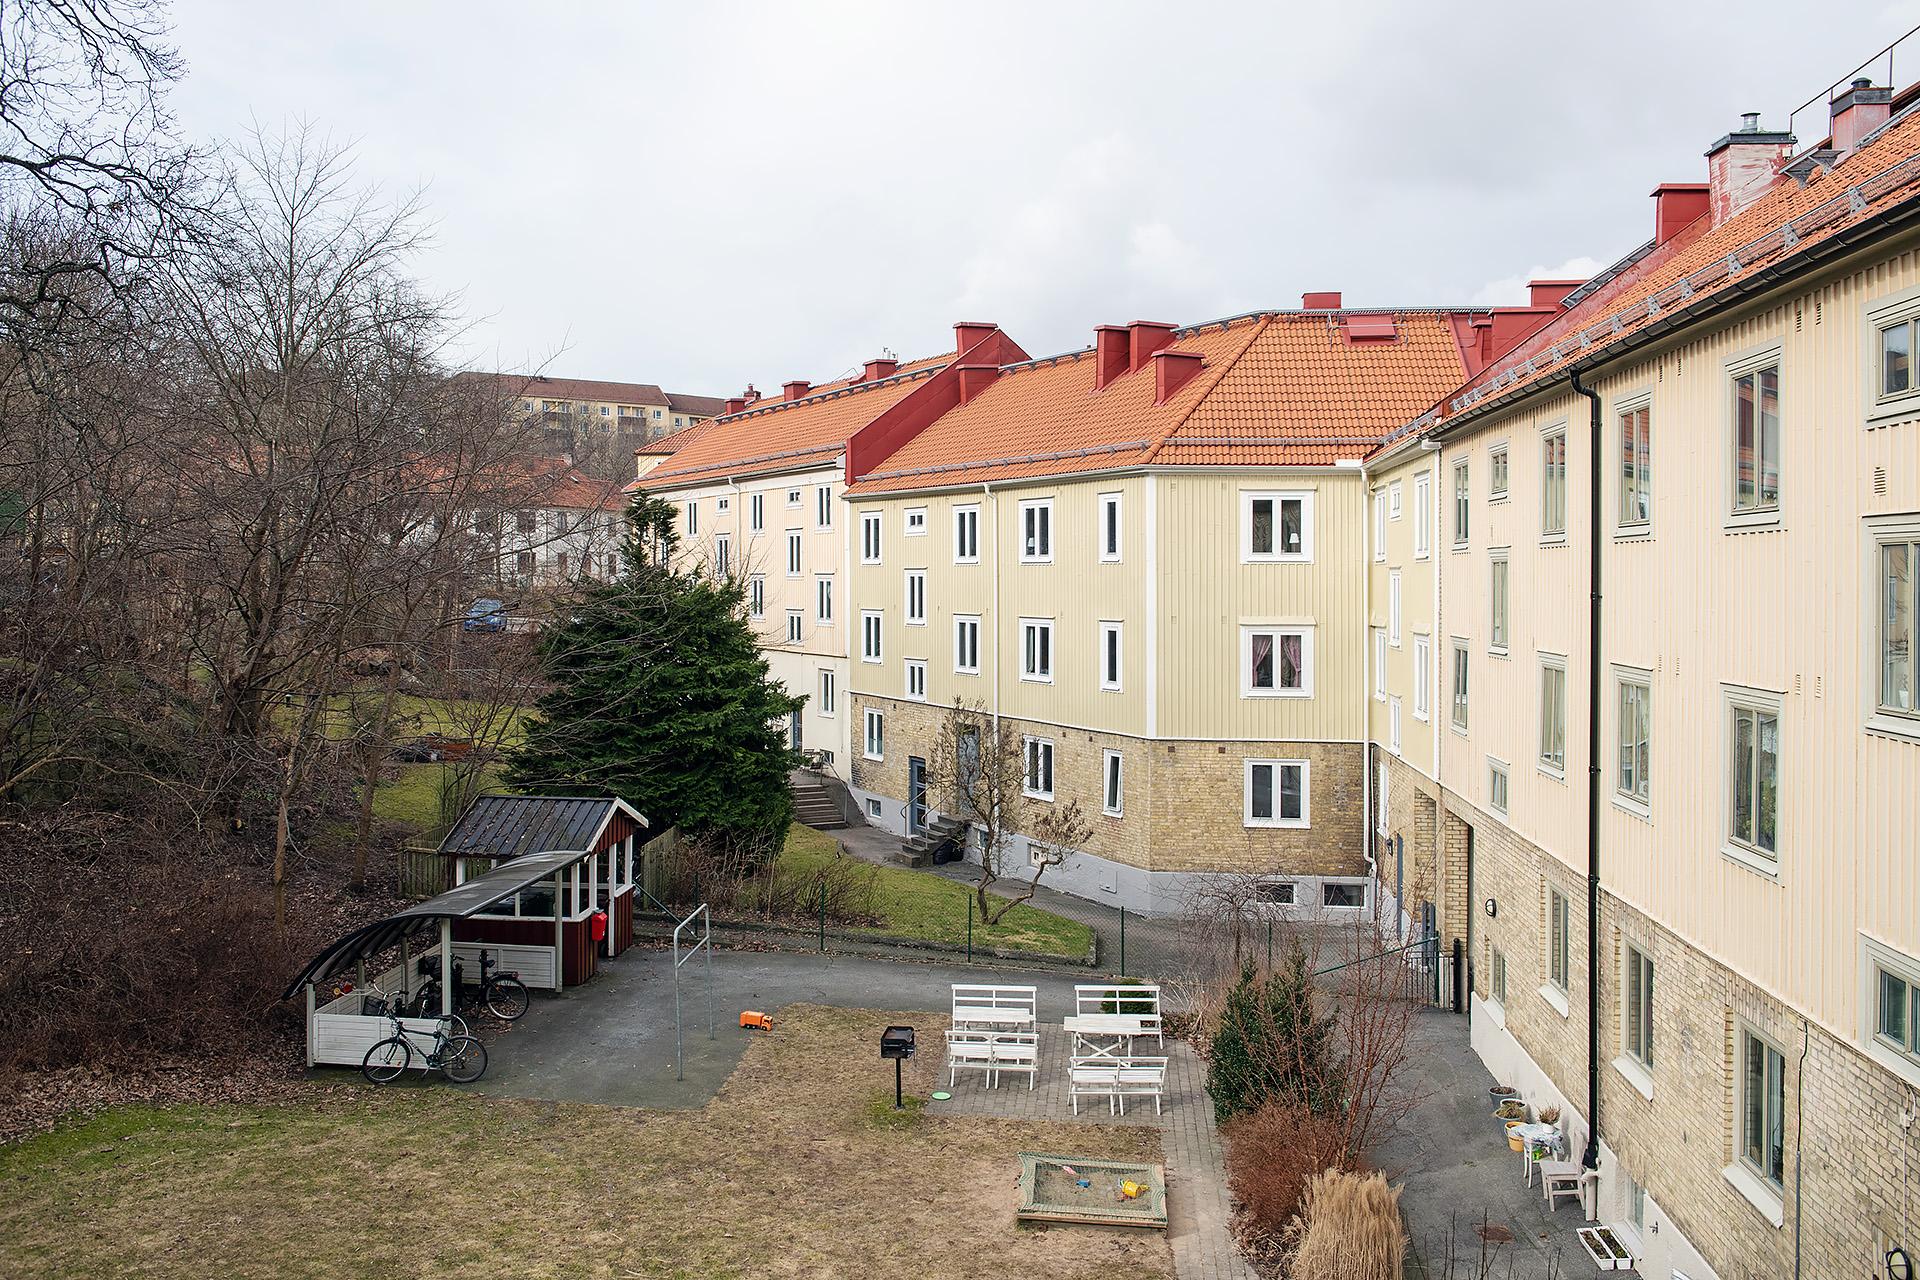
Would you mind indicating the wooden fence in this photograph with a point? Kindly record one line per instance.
(422, 872)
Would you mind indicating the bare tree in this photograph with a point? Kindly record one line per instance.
(980, 767)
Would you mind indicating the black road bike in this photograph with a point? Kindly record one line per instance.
(502, 994)
(461, 1058)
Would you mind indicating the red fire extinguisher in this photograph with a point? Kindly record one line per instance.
(599, 925)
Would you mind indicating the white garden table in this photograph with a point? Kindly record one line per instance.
(1108, 1026)
(1006, 1018)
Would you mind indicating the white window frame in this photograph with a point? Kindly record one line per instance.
(1751, 364)
(1036, 513)
(757, 596)
(1556, 664)
(1379, 526)
(722, 555)
(1379, 663)
(756, 512)
(1422, 677)
(1628, 524)
(1112, 675)
(1498, 799)
(870, 544)
(916, 601)
(1036, 767)
(966, 533)
(1279, 498)
(872, 635)
(913, 522)
(1248, 631)
(794, 498)
(794, 558)
(1499, 471)
(1032, 632)
(795, 623)
(1328, 888)
(876, 734)
(1277, 820)
(723, 504)
(1113, 800)
(1636, 1034)
(1111, 535)
(823, 507)
(1393, 608)
(1891, 312)
(1733, 700)
(966, 625)
(916, 667)
(1882, 532)
(1462, 504)
(829, 691)
(1559, 955)
(1393, 723)
(1499, 601)
(693, 517)
(1875, 957)
(1752, 1181)
(1460, 685)
(1422, 516)
(1552, 487)
(1393, 500)
(1639, 799)
(823, 599)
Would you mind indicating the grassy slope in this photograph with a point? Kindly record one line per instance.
(919, 904)
(412, 795)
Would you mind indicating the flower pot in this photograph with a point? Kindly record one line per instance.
(1605, 1249)
(1501, 1092)
(1513, 1139)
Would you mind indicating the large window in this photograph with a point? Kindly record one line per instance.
(823, 600)
(916, 597)
(870, 537)
(1036, 649)
(1553, 713)
(1037, 778)
(966, 645)
(756, 597)
(1896, 567)
(1276, 662)
(1756, 440)
(876, 735)
(827, 687)
(966, 535)
(1497, 472)
(1276, 526)
(693, 517)
(1110, 656)
(1636, 467)
(1636, 1022)
(1276, 793)
(1557, 968)
(870, 635)
(1112, 774)
(793, 553)
(1110, 528)
(1422, 676)
(756, 512)
(1553, 484)
(1763, 1109)
(1036, 531)
(1497, 598)
(1422, 515)
(1753, 758)
(1636, 734)
(1380, 525)
(1462, 504)
(1460, 685)
(1393, 608)
(823, 506)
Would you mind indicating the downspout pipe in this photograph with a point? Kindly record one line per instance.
(1590, 1158)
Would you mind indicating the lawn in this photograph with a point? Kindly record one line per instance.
(919, 904)
(412, 795)
(796, 1168)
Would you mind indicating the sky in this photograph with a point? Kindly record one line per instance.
(703, 195)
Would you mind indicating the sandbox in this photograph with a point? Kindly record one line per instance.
(1050, 1191)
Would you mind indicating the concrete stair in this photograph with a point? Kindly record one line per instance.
(814, 807)
(917, 851)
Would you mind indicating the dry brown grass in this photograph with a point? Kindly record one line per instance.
(1352, 1229)
(786, 1173)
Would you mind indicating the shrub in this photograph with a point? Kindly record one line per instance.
(1351, 1229)
(1271, 1154)
(1271, 1044)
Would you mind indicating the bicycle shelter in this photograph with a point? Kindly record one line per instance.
(531, 910)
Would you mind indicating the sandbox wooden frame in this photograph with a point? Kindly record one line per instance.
(1148, 1210)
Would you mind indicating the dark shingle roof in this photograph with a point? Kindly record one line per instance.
(499, 826)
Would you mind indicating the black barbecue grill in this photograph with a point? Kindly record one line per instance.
(896, 1043)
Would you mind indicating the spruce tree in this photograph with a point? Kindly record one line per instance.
(659, 694)
(1273, 1045)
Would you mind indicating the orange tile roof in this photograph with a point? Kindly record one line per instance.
(1781, 228)
(775, 435)
(1275, 389)
(557, 483)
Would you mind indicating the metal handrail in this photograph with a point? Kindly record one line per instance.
(705, 944)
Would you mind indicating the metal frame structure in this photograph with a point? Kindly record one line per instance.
(705, 944)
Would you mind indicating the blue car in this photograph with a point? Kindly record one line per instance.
(485, 614)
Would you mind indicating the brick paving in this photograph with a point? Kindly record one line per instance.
(1199, 1218)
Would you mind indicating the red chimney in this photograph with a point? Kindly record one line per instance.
(1320, 301)
(1172, 370)
(791, 391)
(733, 405)
(969, 332)
(750, 396)
(1144, 337)
(1742, 165)
(1550, 293)
(975, 378)
(1858, 112)
(1110, 346)
(881, 367)
(1676, 206)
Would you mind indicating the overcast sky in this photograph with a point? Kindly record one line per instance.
(702, 195)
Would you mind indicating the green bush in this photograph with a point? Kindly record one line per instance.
(1272, 1045)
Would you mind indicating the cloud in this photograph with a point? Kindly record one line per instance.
(1511, 291)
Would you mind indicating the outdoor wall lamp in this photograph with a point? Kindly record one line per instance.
(1493, 908)
(1899, 1266)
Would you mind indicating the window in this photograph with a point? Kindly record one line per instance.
(723, 505)
(793, 626)
(1393, 608)
(693, 518)
(524, 562)
(1037, 780)
(1379, 526)
(1557, 939)
(870, 537)
(874, 808)
(1279, 893)
(1460, 685)
(1379, 664)
(1636, 467)
(793, 497)
(1110, 528)
(1497, 472)
(917, 679)
(1637, 1014)
(1462, 504)
(876, 734)
(823, 507)
(1497, 624)
(870, 635)
(1036, 649)
(823, 604)
(1422, 515)
(1110, 656)
(966, 646)
(756, 512)
(1553, 484)
(1754, 782)
(1896, 569)
(1343, 894)
(1393, 501)
(1276, 793)
(1276, 662)
(966, 535)
(1498, 981)
(756, 597)
(916, 597)
(1636, 732)
(793, 553)
(722, 555)
(1497, 785)
(1553, 713)
(1112, 768)
(1896, 359)
(1763, 1109)
(1381, 797)
(827, 686)
(1393, 723)
(1896, 1010)
(1422, 657)
(1036, 531)
(1756, 441)
(915, 522)
(1276, 526)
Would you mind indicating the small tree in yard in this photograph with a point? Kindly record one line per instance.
(659, 694)
(980, 767)
(1273, 1045)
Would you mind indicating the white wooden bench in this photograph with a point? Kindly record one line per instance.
(1116, 1078)
(1119, 1012)
(997, 1008)
(993, 1052)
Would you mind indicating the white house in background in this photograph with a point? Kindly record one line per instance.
(570, 528)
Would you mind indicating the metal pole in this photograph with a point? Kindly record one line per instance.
(969, 928)
(1123, 942)
(823, 917)
(679, 1064)
(446, 966)
(897, 1103)
(707, 942)
(1269, 944)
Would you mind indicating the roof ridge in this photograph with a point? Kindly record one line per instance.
(1153, 450)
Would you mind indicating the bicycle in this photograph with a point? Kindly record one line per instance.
(503, 994)
(461, 1058)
